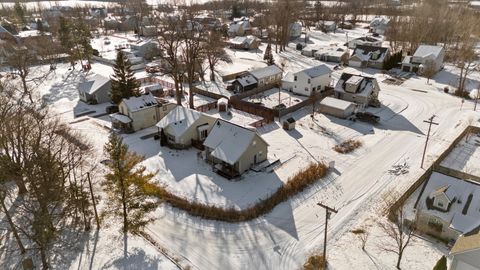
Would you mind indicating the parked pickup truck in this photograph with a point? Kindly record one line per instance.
(367, 117)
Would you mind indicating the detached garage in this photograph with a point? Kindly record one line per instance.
(337, 107)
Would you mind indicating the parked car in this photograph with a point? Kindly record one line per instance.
(111, 109)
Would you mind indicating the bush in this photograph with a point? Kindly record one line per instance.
(296, 184)
(441, 264)
(347, 146)
(315, 262)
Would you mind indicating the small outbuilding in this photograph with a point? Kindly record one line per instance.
(337, 107)
(95, 90)
(222, 105)
(289, 124)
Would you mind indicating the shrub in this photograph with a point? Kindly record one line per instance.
(441, 264)
(315, 262)
(347, 146)
(296, 184)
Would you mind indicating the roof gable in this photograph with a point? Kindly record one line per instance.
(266, 72)
(317, 71)
(134, 104)
(93, 85)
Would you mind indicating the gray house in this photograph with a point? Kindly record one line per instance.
(369, 56)
(234, 149)
(269, 75)
(466, 252)
(95, 90)
(358, 89)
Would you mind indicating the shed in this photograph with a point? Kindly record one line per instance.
(222, 105)
(289, 124)
(337, 107)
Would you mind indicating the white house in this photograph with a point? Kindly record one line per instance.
(136, 113)
(269, 75)
(466, 252)
(239, 27)
(379, 25)
(369, 56)
(95, 90)
(145, 48)
(308, 81)
(425, 55)
(295, 30)
(182, 126)
(332, 54)
(234, 149)
(245, 42)
(368, 41)
(327, 26)
(358, 89)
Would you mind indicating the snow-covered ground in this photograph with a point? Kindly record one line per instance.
(285, 237)
(465, 157)
(274, 97)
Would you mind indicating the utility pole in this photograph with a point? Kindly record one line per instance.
(328, 211)
(430, 122)
(93, 201)
(476, 99)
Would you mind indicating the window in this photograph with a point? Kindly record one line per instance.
(295, 78)
(203, 134)
(171, 138)
(440, 204)
(306, 89)
(309, 81)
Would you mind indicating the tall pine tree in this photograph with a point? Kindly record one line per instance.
(124, 84)
(125, 186)
(268, 55)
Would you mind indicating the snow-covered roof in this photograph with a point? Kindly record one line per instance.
(32, 33)
(134, 104)
(428, 51)
(179, 120)
(447, 190)
(246, 80)
(289, 77)
(92, 85)
(121, 118)
(330, 51)
(242, 40)
(266, 72)
(364, 85)
(317, 71)
(336, 103)
(366, 52)
(379, 21)
(458, 221)
(229, 141)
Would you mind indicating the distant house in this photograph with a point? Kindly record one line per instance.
(369, 56)
(95, 90)
(335, 55)
(245, 43)
(269, 75)
(182, 126)
(148, 31)
(448, 207)
(327, 26)
(111, 23)
(379, 25)
(34, 37)
(466, 252)
(295, 30)
(234, 149)
(239, 27)
(309, 81)
(145, 48)
(358, 89)
(140, 112)
(245, 83)
(368, 41)
(337, 107)
(424, 55)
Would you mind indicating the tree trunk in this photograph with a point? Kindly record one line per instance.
(12, 226)
(400, 254)
(124, 206)
(43, 256)
(190, 94)
(178, 94)
(22, 189)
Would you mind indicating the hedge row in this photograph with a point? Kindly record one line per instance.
(296, 184)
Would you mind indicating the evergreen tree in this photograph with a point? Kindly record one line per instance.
(124, 84)
(20, 12)
(441, 264)
(235, 11)
(125, 186)
(268, 55)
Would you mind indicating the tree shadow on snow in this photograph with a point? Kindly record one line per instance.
(66, 88)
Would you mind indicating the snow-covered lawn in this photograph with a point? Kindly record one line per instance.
(465, 157)
(274, 97)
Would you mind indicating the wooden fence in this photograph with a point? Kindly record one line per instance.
(266, 113)
(206, 107)
(312, 99)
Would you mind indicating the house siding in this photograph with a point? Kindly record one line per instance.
(301, 84)
(246, 161)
